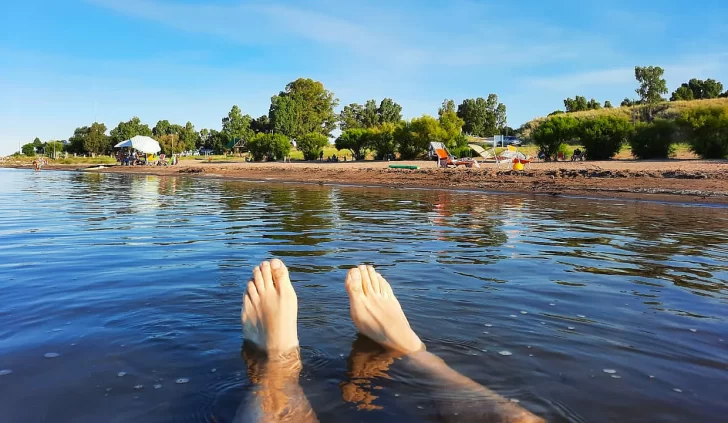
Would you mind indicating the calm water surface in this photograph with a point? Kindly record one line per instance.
(134, 282)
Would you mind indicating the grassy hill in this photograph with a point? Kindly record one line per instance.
(667, 110)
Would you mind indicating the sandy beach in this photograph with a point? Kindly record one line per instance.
(689, 181)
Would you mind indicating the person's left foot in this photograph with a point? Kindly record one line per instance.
(270, 309)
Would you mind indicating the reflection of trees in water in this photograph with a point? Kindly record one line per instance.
(652, 241)
(458, 227)
(300, 216)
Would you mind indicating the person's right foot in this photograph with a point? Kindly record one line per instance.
(377, 313)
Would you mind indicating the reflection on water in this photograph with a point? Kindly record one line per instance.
(135, 282)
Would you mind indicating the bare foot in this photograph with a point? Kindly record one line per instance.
(270, 309)
(377, 313)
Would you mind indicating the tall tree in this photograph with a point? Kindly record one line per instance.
(608, 104)
(163, 127)
(652, 84)
(188, 137)
(97, 141)
(355, 140)
(283, 115)
(129, 129)
(482, 117)
(261, 125)
(697, 89)
(450, 123)
(236, 126)
(351, 117)
(312, 106)
(593, 105)
(369, 115)
(389, 111)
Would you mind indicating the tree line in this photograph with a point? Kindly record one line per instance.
(305, 112)
(704, 127)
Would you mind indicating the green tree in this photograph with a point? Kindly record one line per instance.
(261, 125)
(311, 109)
(96, 141)
(697, 89)
(482, 117)
(682, 93)
(163, 127)
(577, 104)
(608, 104)
(355, 140)
(236, 127)
(312, 145)
(282, 115)
(652, 86)
(127, 130)
(37, 143)
(603, 136)
(78, 139)
(593, 105)
(627, 102)
(553, 132)
(170, 144)
(350, 117)
(389, 111)
(707, 129)
(450, 124)
(653, 140)
(414, 138)
(381, 140)
(269, 146)
(28, 149)
(188, 137)
(370, 115)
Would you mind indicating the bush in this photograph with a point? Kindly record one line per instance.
(311, 145)
(270, 146)
(707, 130)
(553, 132)
(653, 140)
(603, 136)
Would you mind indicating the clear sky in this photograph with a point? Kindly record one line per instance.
(65, 64)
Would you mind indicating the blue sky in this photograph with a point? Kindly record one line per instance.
(65, 64)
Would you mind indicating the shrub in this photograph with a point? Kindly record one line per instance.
(311, 145)
(553, 132)
(603, 136)
(653, 140)
(413, 138)
(707, 130)
(270, 146)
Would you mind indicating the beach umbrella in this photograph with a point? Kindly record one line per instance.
(144, 144)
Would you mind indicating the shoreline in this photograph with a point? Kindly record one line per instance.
(680, 181)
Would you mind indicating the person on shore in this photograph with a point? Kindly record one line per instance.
(321, 155)
(269, 318)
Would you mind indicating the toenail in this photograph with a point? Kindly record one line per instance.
(275, 264)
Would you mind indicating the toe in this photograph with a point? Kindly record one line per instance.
(259, 281)
(252, 292)
(374, 279)
(353, 282)
(366, 283)
(247, 307)
(385, 287)
(267, 274)
(281, 278)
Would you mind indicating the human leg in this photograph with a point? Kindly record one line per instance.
(376, 312)
(269, 318)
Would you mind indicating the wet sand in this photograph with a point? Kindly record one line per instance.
(688, 181)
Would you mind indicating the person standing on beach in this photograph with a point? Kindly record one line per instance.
(269, 318)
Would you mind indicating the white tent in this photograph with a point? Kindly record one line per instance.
(144, 144)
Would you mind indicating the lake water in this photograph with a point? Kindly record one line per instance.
(129, 283)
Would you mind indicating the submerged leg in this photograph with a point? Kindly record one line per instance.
(269, 316)
(378, 315)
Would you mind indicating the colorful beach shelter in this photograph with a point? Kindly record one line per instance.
(144, 144)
